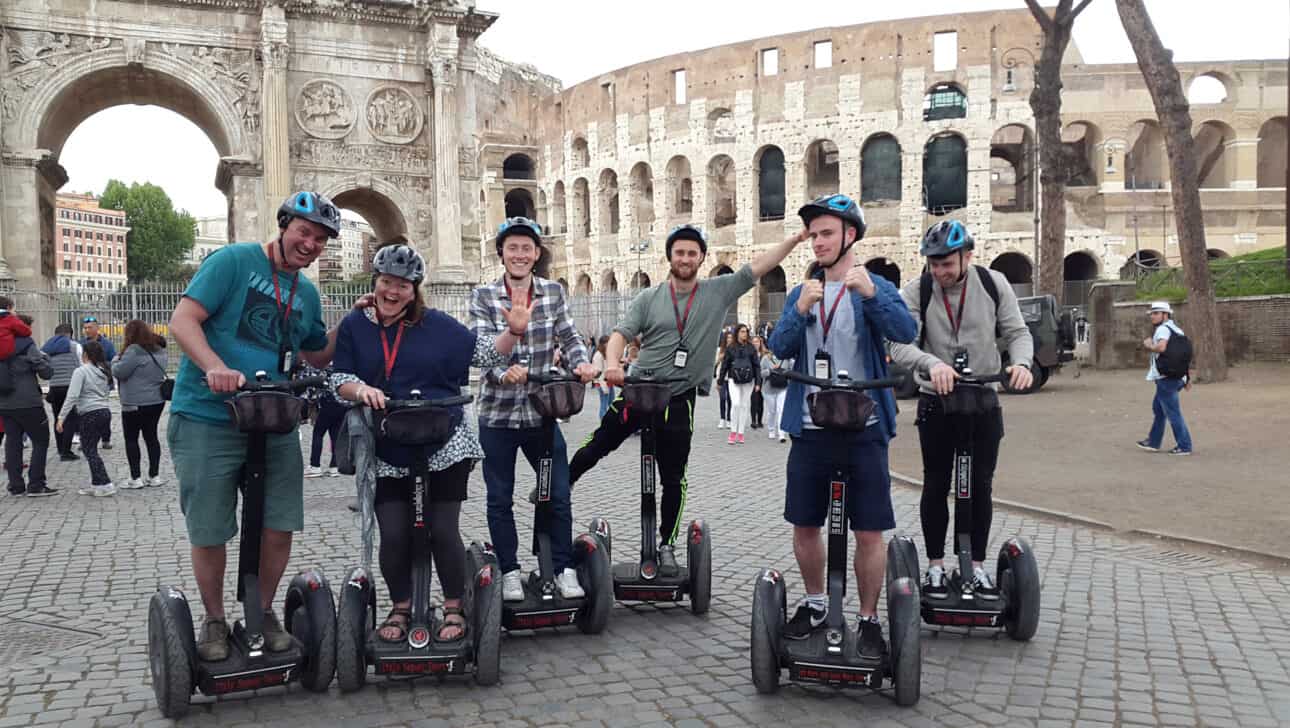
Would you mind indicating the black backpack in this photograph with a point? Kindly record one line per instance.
(1175, 361)
(925, 297)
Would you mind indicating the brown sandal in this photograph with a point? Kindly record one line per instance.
(448, 623)
(400, 624)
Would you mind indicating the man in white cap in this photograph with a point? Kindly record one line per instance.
(1171, 375)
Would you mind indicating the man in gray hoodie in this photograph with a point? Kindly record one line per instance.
(64, 356)
(24, 414)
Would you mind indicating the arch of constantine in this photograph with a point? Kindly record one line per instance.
(393, 109)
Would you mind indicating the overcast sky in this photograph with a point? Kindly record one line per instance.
(138, 143)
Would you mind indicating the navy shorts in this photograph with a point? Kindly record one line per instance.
(810, 470)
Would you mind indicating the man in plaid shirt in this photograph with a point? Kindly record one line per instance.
(507, 422)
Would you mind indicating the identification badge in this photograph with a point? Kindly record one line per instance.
(284, 361)
(823, 365)
(680, 358)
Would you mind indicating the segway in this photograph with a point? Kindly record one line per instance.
(645, 580)
(424, 425)
(830, 655)
(258, 409)
(1016, 610)
(558, 396)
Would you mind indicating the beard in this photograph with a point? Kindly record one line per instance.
(679, 275)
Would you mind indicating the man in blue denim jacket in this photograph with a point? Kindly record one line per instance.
(839, 321)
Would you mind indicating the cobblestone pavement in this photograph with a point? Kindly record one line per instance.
(1130, 633)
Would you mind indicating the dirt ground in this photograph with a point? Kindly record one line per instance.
(1070, 448)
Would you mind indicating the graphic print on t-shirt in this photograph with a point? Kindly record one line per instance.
(260, 326)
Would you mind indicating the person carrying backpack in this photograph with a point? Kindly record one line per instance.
(1170, 369)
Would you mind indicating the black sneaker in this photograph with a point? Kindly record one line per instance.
(667, 557)
(68, 456)
(983, 585)
(805, 620)
(1179, 451)
(107, 446)
(1145, 445)
(869, 643)
(40, 491)
(17, 491)
(934, 583)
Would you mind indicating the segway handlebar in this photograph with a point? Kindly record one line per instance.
(416, 401)
(261, 383)
(841, 381)
(552, 376)
(649, 379)
(982, 380)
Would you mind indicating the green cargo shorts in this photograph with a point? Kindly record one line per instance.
(208, 459)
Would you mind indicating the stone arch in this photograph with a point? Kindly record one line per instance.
(558, 222)
(880, 168)
(945, 167)
(945, 101)
(607, 202)
(822, 170)
(1272, 152)
(380, 203)
(721, 126)
(1081, 266)
(1217, 254)
(580, 155)
(722, 202)
(680, 187)
(640, 280)
(1016, 267)
(642, 197)
(768, 164)
(771, 292)
(608, 281)
(884, 267)
(720, 269)
(1012, 165)
(1146, 166)
(1080, 141)
(1214, 166)
(519, 166)
(563, 283)
(581, 208)
(1142, 261)
(519, 203)
(584, 285)
(1210, 87)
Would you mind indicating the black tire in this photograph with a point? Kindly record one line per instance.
(906, 640)
(1018, 576)
(902, 562)
(769, 608)
(699, 561)
(310, 615)
(596, 575)
(486, 617)
(599, 528)
(353, 617)
(171, 651)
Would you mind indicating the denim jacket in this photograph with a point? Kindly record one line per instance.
(878, 319)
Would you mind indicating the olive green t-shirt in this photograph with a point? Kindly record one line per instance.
(651, 316)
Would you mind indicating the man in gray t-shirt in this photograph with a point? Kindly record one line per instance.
(678, 321)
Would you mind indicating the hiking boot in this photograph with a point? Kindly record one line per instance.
(869, 643)
(568, 584)
(212, 646)
(1179, 451)
(1145, 445)
(805, 620)
(513, 586)
(983, 585)
(276, 639)
(40, 491)
(667, 557)
(934, 585)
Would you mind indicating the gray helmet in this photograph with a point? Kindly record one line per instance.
(400, 261)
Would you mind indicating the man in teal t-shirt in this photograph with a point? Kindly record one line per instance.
(248, 309)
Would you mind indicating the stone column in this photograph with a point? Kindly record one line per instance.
(241, 181)
(275, 117)
(1241, 158)
(20, 181)
(442, 67)
(1110, 168)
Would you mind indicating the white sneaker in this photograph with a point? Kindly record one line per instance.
(154, 482)
(134, 484)
(85, 490)
(313, 472)
(723, 425)
(101, 491)
(568, 583)
(76, 439)
(333, 472)
(513, 586)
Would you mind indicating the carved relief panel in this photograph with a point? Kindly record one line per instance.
(325, 110)
(393, 115)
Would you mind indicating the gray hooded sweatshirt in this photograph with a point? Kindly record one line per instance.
(88, 391)
(140, 377)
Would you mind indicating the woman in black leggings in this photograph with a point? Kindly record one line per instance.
(141, 370)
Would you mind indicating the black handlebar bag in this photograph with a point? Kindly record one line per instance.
(417, 425)
(647, 399)
(558, 400)
(269, 412)
(841, 409)
(970, 400)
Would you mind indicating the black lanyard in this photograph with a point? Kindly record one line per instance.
(827, 322)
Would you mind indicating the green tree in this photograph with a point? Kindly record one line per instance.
(160, 237)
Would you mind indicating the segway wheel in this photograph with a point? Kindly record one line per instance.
(172, 651)
(311, 618)
(902, 561)
(599, 528)
(486, 616)
(597, 578)
(1018, 578)
(699, 560)
(355, 616)
(770, 605)
(906, 638)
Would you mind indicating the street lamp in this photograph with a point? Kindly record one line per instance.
(1010, 63)
(639, 248)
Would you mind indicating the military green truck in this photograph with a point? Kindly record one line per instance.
(1053, 331)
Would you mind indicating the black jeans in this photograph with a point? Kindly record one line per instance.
(937, 434)
(58, 395)
(758, 407)
(723, 394)
(142, 421)
(93, 426)
(394, 517)
(673, 429)
(33, 422)
(326, 422)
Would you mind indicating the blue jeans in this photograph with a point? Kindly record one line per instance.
(1166, 405)
(606, 399)
(500, 445)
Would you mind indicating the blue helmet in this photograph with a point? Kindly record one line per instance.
(313, 207)
(519, 226)
(837, 205)
(944, 238)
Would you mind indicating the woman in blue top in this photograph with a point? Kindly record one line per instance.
(385, 352)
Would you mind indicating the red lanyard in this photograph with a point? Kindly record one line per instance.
(827, 321)
(391, 354)
(676, 309)
(508, 295)
(955, 323)
(277, 295)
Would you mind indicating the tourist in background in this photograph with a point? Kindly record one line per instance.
(773, 388)
(723, 390)
(758, 403)
(740, 367)
(141, 372)
(90, 329)
(88, 393)
(64, 354)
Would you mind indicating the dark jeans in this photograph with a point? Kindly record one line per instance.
(56, 397)
(500, 445)
(673, 430)
(326, 422)
(33, 422)
(1166, 406)
(758, 406)
(142, 421)
(937, 434)
(93, 426)
(394, 516)
(723, 394)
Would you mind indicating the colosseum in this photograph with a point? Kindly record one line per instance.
(737, 137)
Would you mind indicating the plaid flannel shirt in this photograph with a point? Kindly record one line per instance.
(507, 405)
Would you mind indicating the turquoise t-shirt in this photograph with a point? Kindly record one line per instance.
(244, 326)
